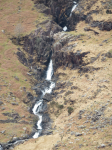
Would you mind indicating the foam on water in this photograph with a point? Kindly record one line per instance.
(38, 106)
(49, 71)
(65, 28)
(49, 90)
(73, 8)
(1, 147)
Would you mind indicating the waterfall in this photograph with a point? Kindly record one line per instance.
(73, 8)
(1, 147)
(49, 71)
(38, 106)
(65, 28)
(37, 109)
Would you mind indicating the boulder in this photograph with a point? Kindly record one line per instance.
(78, 134)
(47, 97)
(1, 102)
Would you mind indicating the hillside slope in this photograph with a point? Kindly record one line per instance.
(82, 99)
(17, 19)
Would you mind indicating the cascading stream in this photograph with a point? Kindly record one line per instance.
(73, 8)
(39, 104)
(37, 107)
(1, 147)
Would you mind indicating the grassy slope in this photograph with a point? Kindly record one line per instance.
(13, 75)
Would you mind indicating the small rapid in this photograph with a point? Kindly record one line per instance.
(38, 106)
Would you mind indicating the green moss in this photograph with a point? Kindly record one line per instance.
(109, 4)
(109, 54)
(35, 119)
(110, 51)
(70, 110)
(76, 34)
(68, 93)
(53, 103)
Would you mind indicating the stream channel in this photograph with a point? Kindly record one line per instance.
(39, 104)
(38, 107)
(73, 8)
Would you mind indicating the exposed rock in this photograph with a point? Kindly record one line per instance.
(29, 96)
(57, 46)
(3, 131)
(13, 103)
(93, 59)
(1, 102)
(88, 69)
(89, 29)
(60, 9)
(75, 87)
(72, 133)
(60, 85)
(3, 108)
(43, 107)
(80, 114)
(8, 121)
(47, 97)
(78, 134)
(110, 144)
(82, 127)
(109, 54)
(16, 78)
(45, 118)
(15, 138)
(102, 25)
(13, 115)
(102, 146)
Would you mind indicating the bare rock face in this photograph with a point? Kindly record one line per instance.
(102, 25)
(47, 97)
(60, 10)
(62, 51)
(37, 47)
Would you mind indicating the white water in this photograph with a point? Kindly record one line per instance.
(1, 147)
(49, 90)
(49, 71)
(73, 8)
(38, 105)
(65, 28)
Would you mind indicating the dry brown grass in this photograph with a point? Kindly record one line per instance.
(10, 66)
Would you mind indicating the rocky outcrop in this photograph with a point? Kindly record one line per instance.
(102, 25)
(47, 97)
(37, 47)
(63, 54)
(60, 10)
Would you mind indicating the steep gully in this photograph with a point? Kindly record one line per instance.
(73, 8)
(37, 109)
(38, 105)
